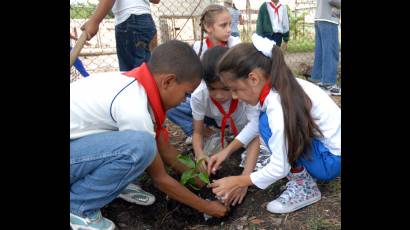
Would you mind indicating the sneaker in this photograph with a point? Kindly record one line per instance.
(134, 194)
(95, 221)
(188, 140)
(313, 81)
(333, 90)
(301, 191)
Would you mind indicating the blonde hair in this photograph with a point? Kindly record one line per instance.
(207, 19)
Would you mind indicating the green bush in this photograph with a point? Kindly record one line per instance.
(84, 11)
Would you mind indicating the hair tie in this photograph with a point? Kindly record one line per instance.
(263, 45)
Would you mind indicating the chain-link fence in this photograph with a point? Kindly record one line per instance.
(179, 19)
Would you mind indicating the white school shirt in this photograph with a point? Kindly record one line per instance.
(122, 9)
(108, 102)
(232, 41)
(325, 113)
(245, 116)
(281, 26)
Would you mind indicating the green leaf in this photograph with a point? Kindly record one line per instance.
(203, 176)
(186, 161)
(194, 187)
(187, 175)
(192, 180)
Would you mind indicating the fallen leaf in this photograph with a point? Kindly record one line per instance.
(256, 221)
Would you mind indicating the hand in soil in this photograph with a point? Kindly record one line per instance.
(216, 160)
(237, 196)
(225, 186)
(216, 209)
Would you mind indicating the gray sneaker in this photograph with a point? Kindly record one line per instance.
(134, 194)
(95, 221)
(333, 90)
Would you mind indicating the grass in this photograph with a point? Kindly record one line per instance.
(321, 224)
(302, 45)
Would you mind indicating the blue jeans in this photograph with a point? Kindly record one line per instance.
(182, 116)
(103, 164)
(326, 53)
(277, 37)
(321, 164)
(132, 40)
(235, 34)
(80, 67)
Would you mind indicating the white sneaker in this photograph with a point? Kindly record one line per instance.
(93, 222)
(188, 140)
(134, 194)
(301, 191)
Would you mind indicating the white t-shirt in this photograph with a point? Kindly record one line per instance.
(108, 102)
(281, 25)
(245, 116)
(232, 41)
(325, 113)
(122, 9)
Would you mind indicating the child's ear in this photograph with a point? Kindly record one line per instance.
(168, 81)
(254, 78)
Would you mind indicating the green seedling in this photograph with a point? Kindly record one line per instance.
(188, 177)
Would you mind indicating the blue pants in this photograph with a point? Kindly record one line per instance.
(103, 164)
(326, 53)
(277, 37)
(235, 34)
(182, 116)
(321, 164)
(132, 40)
(80, 67)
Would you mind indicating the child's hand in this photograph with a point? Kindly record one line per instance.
(216, 209)
(216, 160)
(224, 187)
(237, 196)
(202, 167)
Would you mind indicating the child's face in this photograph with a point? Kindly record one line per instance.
(219, 92)
(221, 29)
(245, 89)
(174, 93)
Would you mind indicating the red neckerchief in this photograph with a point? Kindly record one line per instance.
(210, 44)
(145, 78)
(264, 93)
(276, 9)
(226, 116)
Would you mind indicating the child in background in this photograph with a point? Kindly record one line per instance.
(273, 22)
(298, 122)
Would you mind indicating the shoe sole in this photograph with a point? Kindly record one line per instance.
(130, 200)
(311, 201)
(79, 227)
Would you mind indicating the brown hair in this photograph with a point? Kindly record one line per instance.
(300, 127)
(207, 18)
